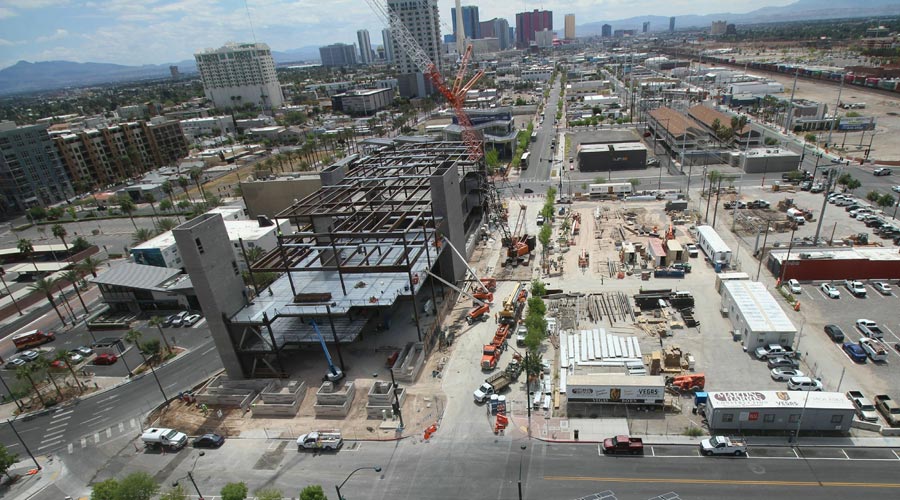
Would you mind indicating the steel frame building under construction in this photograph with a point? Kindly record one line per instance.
(370, 237)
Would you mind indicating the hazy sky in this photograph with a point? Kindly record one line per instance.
(161, 31)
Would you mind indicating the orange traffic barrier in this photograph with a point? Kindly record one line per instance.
(797, 305)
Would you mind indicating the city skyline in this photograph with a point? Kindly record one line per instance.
(154, 31)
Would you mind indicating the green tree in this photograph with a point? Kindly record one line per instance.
(128, 207)
(7, 460)
(27, 250)
(60, 232)
(137, 486)
(105, 490)
(183, 184)
(168, 189)
(166, 224)
(141, 235)
(810, 138)
(149, 198)
(46, 287)
(254, 254)
(158, 322)
(178, 493)
(43, 364)
(770, 141)
(89, 265)
(635, 182)
(873, 196)
(196, 174)
(234, 491)
(73, 276)
(151, 348)
(26, 372)
(184, 205)
(886, 200)
(492, 159)
(63, 357)
(312, 492)
(538, 288)
(37, 213)
(80, 244)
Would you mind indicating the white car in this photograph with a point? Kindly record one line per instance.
(830, 291)
(190, 320)
(883, 288)
(794, 286)
(540, 220)
(804, 384)
(895, 189)
(783, 373)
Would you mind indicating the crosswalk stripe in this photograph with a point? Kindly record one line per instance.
(132, 423)
(109, 432)
(71, 448)
(83, 442)
(121, 427)
(96, 437)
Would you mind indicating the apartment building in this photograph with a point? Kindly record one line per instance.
(422, 20)
(30, 171)
(238, 74)
(338, 55)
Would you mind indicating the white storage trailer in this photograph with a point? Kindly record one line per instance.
(615, 388)
(779, 411)
(712, 245)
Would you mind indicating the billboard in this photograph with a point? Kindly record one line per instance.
(856, 123)
(615, 394)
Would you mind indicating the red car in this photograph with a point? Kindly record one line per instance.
(105, 359)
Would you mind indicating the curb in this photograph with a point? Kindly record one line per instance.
(749, 445)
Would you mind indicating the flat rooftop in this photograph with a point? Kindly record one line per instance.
(838, 253)
(758, 307)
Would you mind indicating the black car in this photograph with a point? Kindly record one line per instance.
(835, 333)
(209, 441)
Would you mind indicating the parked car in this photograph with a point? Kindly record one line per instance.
(835, 333)
(210, 440)
(830, 291)
(105, 359)
(882, 287)
(29, 355)
(179, 318)
(895, 189)
(13, 363)
(794, 286)
(855, 351)
(855, 287)
(783, 373)
(781, 361)
(804, 384)
(191, 320)
(540, 220)
(83, 350)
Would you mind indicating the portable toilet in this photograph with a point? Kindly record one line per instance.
(501, 404)
(494, 402)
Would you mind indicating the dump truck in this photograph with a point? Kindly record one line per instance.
(494, 384)
(623, 445)
(889, 409)
(479, 313)
(490, 354)
(721, 445)
(320, 440)
(160, 437)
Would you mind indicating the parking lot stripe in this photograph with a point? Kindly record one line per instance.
(84, 442)
(891, 332)
(895, 454)
(845, 454)
(652, 451)
(121, 427)
(109, 432)
(96, 437)
(71, 448)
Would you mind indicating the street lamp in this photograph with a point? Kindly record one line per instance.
(190, 476)
(521, 458)
(338, 488)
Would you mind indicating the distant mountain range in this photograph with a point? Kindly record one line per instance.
(800, 10)
(27, 76)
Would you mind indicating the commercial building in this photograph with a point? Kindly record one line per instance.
(606, 31)
(485, 46)
(835, 263)
(676, 131)
(537, 74)
(779, 411)
(388, 44)
(645, 27)
(495, 126)
(239, 74)
(529, 23)
(570, 26)
(609, 157)
(471, 23)
(31, 173)
(718, 27)
(110, 153)
(707, 116)
(134, 288)
(671, 25)
(422, 20)
(365, 46)
(544, 39)
(757, 87)
(497, 28)
(755, 314)
(769, 160)
(337, 55)
(363, 247)
(362, 102)
(162, 251)
(210, 126)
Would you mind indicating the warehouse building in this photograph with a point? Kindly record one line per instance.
(767, 160)
(779, 411)
(756, 315)
(829, 264)
(608, 157)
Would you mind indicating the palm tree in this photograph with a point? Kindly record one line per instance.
(45, 286)
(89, 265)
(254, 253)
(127, 207)
(183, 184)
(41, 363)
(60, 232)
(73, 276)
(168, 189)
(63, 356)
(141, 235)
(184, 204)
(166, 225)
(27, 250)
(149, 198)
(158, 321)
(196, 174)
(167, 206)
(25, 372)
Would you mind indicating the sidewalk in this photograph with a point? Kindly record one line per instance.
(29, 485)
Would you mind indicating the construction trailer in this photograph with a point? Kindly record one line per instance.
(712, 245)
(615, 388)
(778, 411)
(756, 316)
(360, 248)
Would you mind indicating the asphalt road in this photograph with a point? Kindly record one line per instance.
(114, 412)
(539, 164)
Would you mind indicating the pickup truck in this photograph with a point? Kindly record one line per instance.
(763, 352)
(623, 445)
(865, 410)
(169, 439)
(875, 349)
(493, 385)
(320, 440)
(888, 408)
(855, 287)
(869, 328)
(721, 445)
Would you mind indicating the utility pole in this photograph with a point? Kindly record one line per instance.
(828, 184)
(27, 450)
(762, 251)
(787, 119)
(837, 106)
